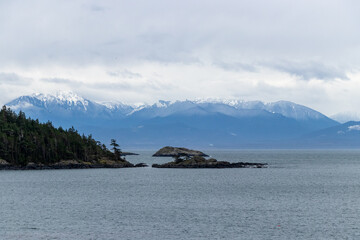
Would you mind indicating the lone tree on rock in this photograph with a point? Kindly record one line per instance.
(116, 149)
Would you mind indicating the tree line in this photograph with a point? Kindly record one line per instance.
(24, 140)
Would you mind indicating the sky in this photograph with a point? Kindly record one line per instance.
(140, 51)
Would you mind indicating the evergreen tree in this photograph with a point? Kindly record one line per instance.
(23, 140)
(116, 149)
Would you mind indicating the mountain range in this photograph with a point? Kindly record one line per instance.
(192, 123)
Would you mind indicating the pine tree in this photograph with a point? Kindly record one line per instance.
(116, 149)
(23, 140)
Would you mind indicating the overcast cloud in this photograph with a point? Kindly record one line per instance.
(141, 51)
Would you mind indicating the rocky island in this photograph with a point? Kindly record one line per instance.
(176, 151)
(185, 158)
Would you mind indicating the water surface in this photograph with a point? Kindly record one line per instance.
(302, 195)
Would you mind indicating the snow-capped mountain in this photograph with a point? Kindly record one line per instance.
(66, 104)
(72, 102)
(67, 100)
(233, 108)
(285, 108)
(219, 123)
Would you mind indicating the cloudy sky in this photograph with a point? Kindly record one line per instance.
(136, 51)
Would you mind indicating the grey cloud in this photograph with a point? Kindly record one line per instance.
(115, 86)
(125, 74)
(186, 31)
(65, 81)
(132, 82)
(145, 86)
(307, 39)
(13, 79)
(57, 80)
(306, 70)
(97, 8)
(310, 70)
(236, 66)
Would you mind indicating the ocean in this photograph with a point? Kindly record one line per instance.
(303, 194)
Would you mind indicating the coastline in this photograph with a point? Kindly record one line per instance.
(71, 164)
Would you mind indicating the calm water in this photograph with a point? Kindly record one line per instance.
(303, 195)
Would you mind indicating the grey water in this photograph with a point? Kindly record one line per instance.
(304, 194)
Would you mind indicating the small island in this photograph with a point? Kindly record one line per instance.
(28, 144)
(176, 151)
(195, 159)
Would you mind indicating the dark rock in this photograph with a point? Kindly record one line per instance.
(69, 164)
(128, 154)
(200, 162)
(141, 165)
(3, 162)
(175, 151)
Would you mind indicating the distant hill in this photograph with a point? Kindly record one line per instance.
(200, 123)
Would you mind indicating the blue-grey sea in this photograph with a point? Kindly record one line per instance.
(304, 194)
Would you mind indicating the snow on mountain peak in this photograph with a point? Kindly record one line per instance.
(65, 98)
(230, 102)
(285, 108)
(293, 110)
(163, 103)
(61, 97)
(70, 97)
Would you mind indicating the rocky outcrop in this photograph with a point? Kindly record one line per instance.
(200, 162)
(128, 154)
(3, 163)
(141, 165)
(71, 164)
(175, 151)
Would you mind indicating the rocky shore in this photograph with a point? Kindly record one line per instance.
(201, 162)
(183, 158)
(128, 154)
(70, 164)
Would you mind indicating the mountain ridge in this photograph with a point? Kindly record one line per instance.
(212, 122)
(70, 99)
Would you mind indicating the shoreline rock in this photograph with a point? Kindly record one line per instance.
(200, 162)
(129, 154)
(220, 165)
(3, 162)
(71, 164)
(141, 165)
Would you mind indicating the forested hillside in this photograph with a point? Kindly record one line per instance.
(23, 140)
